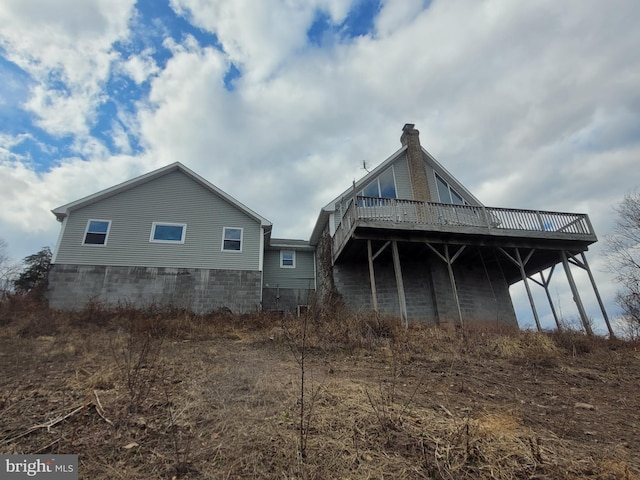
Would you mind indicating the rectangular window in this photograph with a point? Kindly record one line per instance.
(287, 259)
(97, 232)
(168, 232)
(231, 239)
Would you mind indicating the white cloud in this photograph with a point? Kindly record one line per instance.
(140, 67)
(65, 46)
(260, 37)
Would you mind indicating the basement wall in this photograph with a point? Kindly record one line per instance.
(482, 291)
(199, 290)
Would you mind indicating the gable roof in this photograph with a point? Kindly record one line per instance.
(323, 217)
(65, 210)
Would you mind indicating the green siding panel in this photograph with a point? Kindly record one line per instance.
(172, 198)
(302, 276)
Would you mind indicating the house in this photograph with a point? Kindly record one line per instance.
(172, 238)
(407, 239)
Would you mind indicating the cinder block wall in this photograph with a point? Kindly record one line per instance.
(198, 290)
(352, 282)
(484, 295)
(286, 299)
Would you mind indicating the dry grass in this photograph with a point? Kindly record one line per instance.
(168, 394)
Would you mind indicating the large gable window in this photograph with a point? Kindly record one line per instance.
(384, 186)
(97, 232)
(232, 239)
(448, 194)
(287, 259)
(168, 232)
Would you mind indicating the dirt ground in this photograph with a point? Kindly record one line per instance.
(194, 400)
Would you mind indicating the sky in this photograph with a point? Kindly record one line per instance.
(278, 103)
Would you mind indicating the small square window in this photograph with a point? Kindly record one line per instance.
(97, 232)
(287, 259)
(232, 239)
(168, 232)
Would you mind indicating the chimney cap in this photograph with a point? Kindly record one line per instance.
(408, 127)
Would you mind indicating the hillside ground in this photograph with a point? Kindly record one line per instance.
(165, 394)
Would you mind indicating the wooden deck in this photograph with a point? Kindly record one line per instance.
(462, 224)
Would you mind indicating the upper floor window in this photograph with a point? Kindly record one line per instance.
(232, 239)
(384, 186)
(448, 194)
(97, 232)
(287, 259)
(162, 232)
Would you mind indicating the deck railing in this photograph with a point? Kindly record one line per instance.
(400, 212)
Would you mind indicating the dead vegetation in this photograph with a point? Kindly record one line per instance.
(142, 394)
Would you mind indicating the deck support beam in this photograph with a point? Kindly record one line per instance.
(521, 264)
(372, 278)
(575, 293)
(402, 300)
(595, 290)
(544, 283)
(449, 261)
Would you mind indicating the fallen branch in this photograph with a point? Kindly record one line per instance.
(46, 425)
(99, 408)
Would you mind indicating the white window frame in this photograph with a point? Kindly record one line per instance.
(377, 182)
(451, 191)
(168, 224)
(224, 231)
(86, 231)
(293, 257)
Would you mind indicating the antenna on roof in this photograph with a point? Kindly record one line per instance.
(364, 165)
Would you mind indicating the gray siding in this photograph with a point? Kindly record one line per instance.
(173, 198)
(300, 277)
(403, 180)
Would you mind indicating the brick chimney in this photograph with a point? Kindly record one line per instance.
(411, 138)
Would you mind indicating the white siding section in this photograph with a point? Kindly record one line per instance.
(172, 198)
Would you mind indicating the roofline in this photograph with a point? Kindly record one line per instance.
(64, 210)
(394, 156)
(447, 172)
(287, 243)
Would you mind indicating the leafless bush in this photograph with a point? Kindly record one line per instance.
(137, 356)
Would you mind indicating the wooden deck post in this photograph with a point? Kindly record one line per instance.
(575, 293)
(372, 277)
(401, 296)
(452, 279)
(521, 265)
(595, 289)
(523, 274)
(545, 285)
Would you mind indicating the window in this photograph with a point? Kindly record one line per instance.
(448, 194)
(287, 259)
(97, 232)
(384, 186)
(232, 239)
(168, 232)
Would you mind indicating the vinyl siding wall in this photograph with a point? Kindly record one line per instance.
(403, 181)
(302, 276)
(172, 198)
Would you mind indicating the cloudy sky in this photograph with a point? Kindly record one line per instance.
(278, 102)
